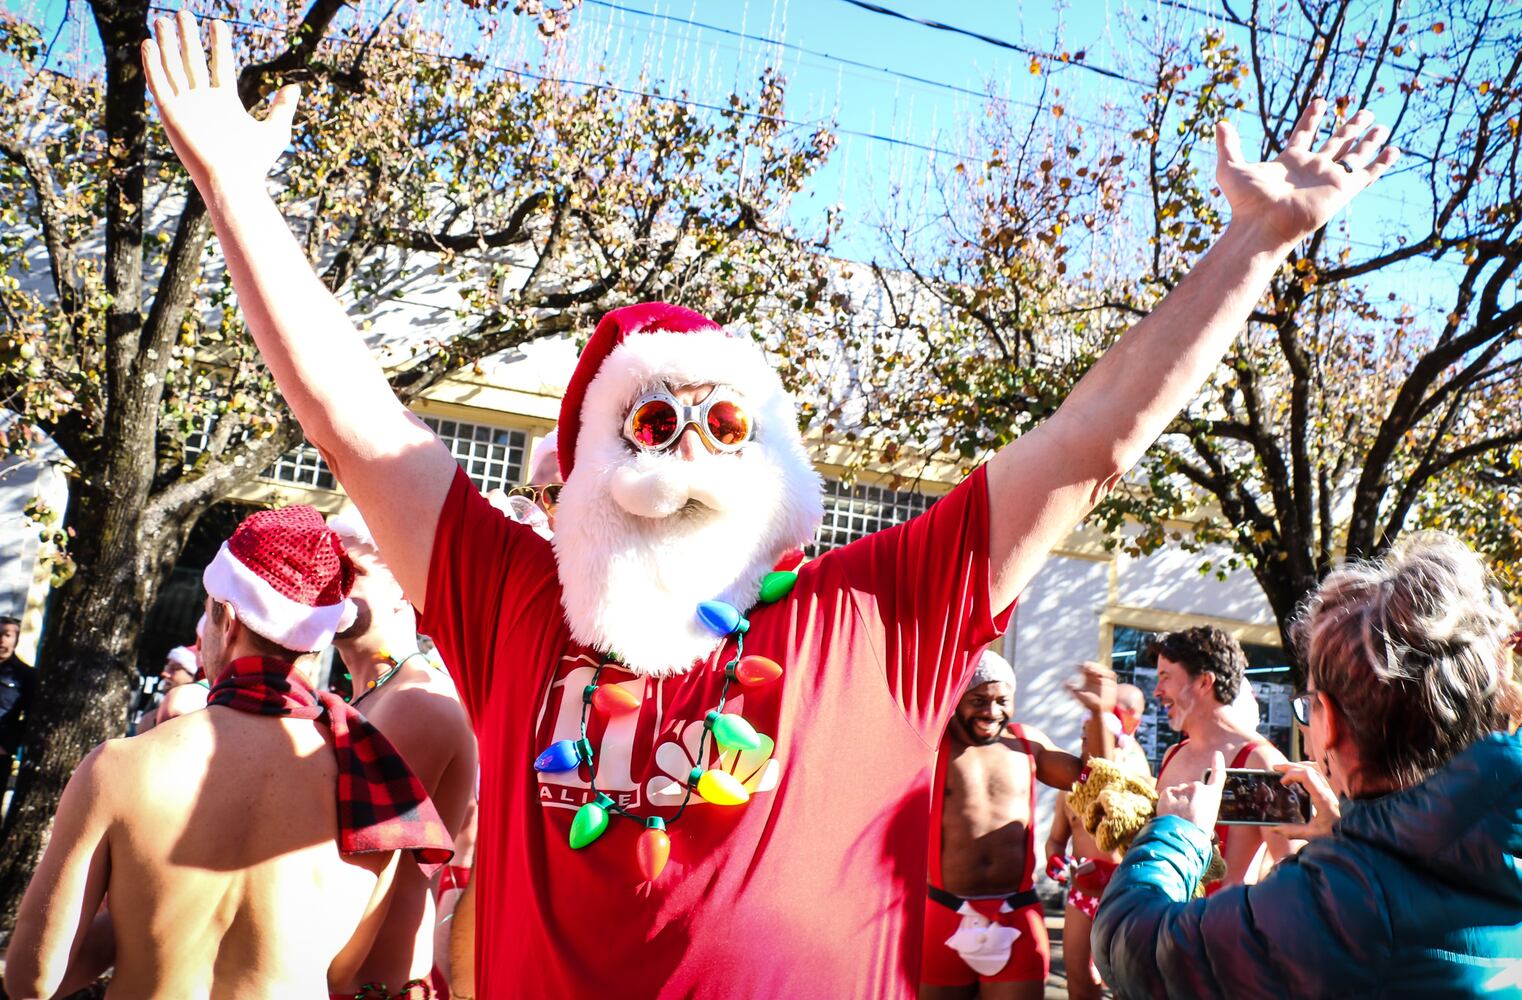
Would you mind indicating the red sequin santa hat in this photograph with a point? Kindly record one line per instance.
(286, 574)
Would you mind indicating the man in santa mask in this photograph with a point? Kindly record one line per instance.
(693, 828)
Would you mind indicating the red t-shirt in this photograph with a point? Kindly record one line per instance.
(813, 888)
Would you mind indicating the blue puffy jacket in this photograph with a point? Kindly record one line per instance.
(1416, 894)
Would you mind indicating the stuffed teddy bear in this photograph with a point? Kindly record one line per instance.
(1113, 803)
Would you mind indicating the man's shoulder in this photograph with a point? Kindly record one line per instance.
(1263, 755)
(1023, 738)
(115, 767)
(20, 668)
(422, 701)
(420, 690)
(184, 699)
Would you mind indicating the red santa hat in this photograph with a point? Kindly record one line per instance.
(708, 354)
(286, 574)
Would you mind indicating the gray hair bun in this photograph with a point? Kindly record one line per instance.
(1414, 647)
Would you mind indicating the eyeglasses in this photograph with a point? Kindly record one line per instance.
(657, 420)
(1300, 705)
(546, 496)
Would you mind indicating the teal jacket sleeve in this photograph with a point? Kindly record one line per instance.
(1316, 915)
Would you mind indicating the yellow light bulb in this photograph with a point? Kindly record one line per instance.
(722, 789)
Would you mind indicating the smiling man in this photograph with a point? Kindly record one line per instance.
(704, 776)
(1200, 674)
(985, 934)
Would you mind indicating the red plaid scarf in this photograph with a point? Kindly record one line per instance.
(381, 804)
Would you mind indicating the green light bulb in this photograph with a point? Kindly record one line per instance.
(776, 585)
(732, 732)
(591, 821)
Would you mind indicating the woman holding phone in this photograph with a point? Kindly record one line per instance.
(1411, 883)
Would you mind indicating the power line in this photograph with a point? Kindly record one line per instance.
(997, 42)
(842, 60)
(477, 63)
(1034, 53)
(779, 43)
(793, 47)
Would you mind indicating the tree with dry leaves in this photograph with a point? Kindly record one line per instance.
(542, 203)
(1374, 390)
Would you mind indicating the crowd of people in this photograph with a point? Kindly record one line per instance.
(673, 758)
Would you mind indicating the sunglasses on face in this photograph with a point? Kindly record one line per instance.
(1300, 705)
(657, 420)
(544, 496)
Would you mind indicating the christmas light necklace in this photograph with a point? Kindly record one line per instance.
(728, 729)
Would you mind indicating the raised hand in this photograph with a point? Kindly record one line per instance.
(217, 140)
(1295, 194)
(1094, 688)
(1326, 810)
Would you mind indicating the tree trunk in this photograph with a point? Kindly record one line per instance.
(85, 678)
(1285, 590)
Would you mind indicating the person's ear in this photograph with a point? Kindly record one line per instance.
(229, 624)
(1332, 721)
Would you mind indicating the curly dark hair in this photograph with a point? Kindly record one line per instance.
(1201, 649)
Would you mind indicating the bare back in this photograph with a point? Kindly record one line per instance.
(225, 877)
(986, 838)
(418, 711)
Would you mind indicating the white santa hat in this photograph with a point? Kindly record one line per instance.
(288, 577)
(184, 658)
(544, 468)
(991, 669)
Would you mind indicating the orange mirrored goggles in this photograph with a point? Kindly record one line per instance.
(657, 419)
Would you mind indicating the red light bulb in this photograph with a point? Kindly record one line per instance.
(653, 849)
(757, 670)
(611, 699)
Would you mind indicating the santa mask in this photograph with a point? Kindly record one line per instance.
(643, 536)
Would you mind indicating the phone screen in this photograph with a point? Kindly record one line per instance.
(1261, 798)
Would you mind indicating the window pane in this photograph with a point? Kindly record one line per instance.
(491, 456)
(852, 512)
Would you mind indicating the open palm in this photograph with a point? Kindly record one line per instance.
(1298, 191)
(205, 119)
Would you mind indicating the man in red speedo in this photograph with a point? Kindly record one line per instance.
(1200, 672)
(985, 935)
(692, 828)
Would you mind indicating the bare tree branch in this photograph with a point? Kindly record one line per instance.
(62, 260)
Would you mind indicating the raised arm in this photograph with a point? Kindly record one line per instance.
(1041, 485)
(395, 468)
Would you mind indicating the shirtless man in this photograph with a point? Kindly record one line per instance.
(985, 934)
(1088, 869)
(234, 867)
(1200, 672)
(399, 691)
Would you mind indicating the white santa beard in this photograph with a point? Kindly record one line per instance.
(631, 584)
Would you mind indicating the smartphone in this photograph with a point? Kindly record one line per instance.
(1261, 798)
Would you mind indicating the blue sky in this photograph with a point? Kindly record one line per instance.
(902, 95)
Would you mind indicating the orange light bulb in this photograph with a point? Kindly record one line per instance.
(653, 849)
